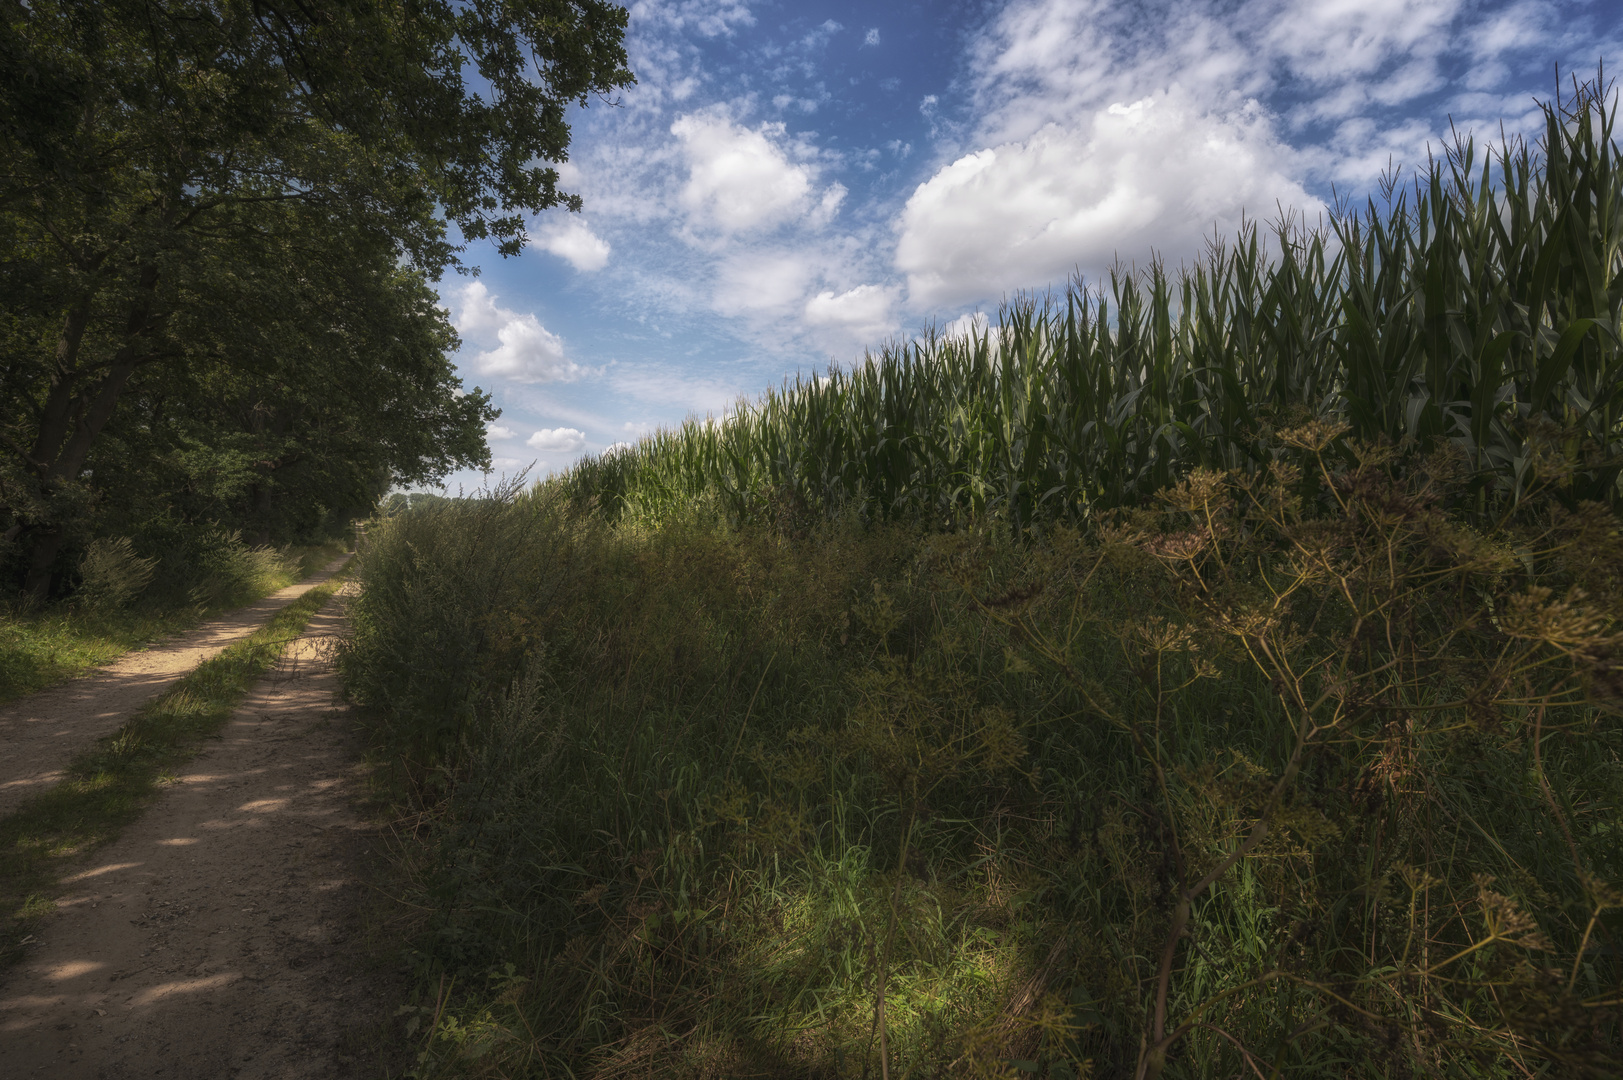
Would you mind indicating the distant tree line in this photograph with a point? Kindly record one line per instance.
(219, 222)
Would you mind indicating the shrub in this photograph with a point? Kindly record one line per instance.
(112, 575)
(227, 571)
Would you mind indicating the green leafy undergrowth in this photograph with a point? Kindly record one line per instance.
(1291, 774)
(42, 647)
(113, 782)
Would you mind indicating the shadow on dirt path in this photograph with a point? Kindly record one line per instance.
(221, 935)
(41, 733)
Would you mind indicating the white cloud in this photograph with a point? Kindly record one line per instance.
(1329, 41)
(525, 350)
(498, 431)
(820, 35)
(708, 18)
(864, 312)
(562, 440)
(971, 324)
(739, 178)
(573, 240)
(760, 281)
(1157, 174)
(872, 37)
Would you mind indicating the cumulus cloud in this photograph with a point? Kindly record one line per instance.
(872, 37)
(524, 350)
(1158, 173)
(561, 440)
(971, 324)
(864, 312)
(572, 240)
(497, 431)
(1314, 62)
(742, 178)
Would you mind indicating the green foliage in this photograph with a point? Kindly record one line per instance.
(1480, 306)
(231, 571)
(1288, 769)
(112, 575)
(112, 783)
(217, 225)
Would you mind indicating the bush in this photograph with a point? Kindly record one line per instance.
(227, 572)
(112, 575)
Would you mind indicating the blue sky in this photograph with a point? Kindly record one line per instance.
(789, 183)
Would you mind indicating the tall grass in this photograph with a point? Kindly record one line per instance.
(1479, 304)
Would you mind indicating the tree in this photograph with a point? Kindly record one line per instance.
(320, 378)
(136, 134)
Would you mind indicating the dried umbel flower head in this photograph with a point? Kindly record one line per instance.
(1178, 547)
(1505, 920)
(1315, 435)
(1570, 624)
(1201, 493)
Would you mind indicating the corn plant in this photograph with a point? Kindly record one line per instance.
(1478, 305)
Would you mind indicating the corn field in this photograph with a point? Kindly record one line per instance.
(1477, 304)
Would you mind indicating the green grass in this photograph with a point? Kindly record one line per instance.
(112, 783)
(42, 647)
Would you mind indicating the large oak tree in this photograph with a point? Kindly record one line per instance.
(160, 158)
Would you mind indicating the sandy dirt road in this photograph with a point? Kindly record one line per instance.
(221, 936)
(41, 733)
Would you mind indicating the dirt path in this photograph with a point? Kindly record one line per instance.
(40, 734)
(221, 935)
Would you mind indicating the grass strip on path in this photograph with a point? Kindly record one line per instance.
(43, 647)
(112, 783)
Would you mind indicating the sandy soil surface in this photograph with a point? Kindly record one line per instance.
(40, 733)
(223, 934)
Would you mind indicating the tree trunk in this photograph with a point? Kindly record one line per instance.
(71, 421)
(44, 547)
(261, 503)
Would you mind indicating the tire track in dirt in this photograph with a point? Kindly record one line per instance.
(41, 733)
(221, 935)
